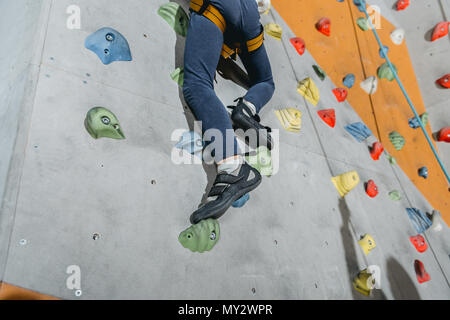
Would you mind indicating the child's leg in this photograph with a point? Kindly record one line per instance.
(203, 47)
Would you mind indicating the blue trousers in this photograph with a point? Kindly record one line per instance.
(202, 52)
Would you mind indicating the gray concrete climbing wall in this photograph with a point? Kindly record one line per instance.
(294, 239)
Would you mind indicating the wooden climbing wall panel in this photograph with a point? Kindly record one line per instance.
(10, 292)
(351, 50)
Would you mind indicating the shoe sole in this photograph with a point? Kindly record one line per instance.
(242, 122)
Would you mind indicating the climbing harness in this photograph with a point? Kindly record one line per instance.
(206, 9)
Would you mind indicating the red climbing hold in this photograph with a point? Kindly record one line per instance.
(444, 135)
(441, 30)
(402, 4)
(299, 45)
(419, 242)
(376, 150)
(324, 26)
(328, 116)
(444, 81)
(371, 189)
(422, 275)
(341, 94)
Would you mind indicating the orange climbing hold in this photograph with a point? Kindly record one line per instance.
(441, 30)
(419, 243)
(371, 189)
(422, 275)
(328, 116)
(444, 81)
(444, 135)
(402, 4)
(341, 94)
(376, 150)
(324, 26)
(299, 45)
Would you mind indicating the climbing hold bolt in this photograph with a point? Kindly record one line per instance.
(299, 45)
(346, 182)
(109, 45)
(397, 140)
(261, 161)
(370, 85)
(102, 123)
(328, 116)
(324, 26)
(397, 36)
(421, 273)
(385, 72)
(441, 30)
(419, 243)
(320, 73)
(376, 150)
(241, 202)
(402, 4)
(308, 89)
(201, 237)
(371, 189)
(290, 118)
(367, 243)
(423, 172)
(274, 30)
(444, 81)
(364, 282)
(349, 80)
(175, 16)
(340, 94)
(359, 131)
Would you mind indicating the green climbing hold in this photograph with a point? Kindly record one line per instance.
(320, 73)
(102, 123)
(201, 237)
(261, 161)
(175, 16)
(363, 23)
(395, 195)
(178, 76)
(424, 118)
(397, 140)
(391, 159)
(385, 72)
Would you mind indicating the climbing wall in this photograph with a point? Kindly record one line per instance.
(114, 208)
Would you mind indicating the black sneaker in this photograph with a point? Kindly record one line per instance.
(227, 189)
(243, 118)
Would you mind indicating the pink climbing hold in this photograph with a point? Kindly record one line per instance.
(402, 4)
(324, 26)
(441, 30)
(328, 116)
(341, 94)
(422, 275)
(444, 81)
(376, 150)
(419, 243)
(299, 45)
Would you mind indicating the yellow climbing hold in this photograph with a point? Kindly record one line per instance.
(290, 118)
(308, 89)
(344, 183)
(363, 282)
(367, 243)
(273, 30)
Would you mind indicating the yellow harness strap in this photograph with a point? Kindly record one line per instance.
(209, 11)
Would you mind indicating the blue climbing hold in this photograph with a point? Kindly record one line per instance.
(241, 202)
(191, 142)
(419, 220)
(349, 80)
(109, 45)
(384, 51)
(359, 131)
(361, 4)
(423, 172)
(340, 0)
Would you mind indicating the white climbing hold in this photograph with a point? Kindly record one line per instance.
(397, 36)
(370, 85)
